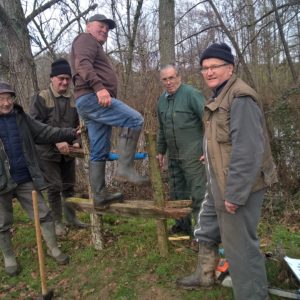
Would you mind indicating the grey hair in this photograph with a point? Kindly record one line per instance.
(169, 66)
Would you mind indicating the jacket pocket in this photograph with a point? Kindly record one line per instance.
(185, 119)
(222, 127)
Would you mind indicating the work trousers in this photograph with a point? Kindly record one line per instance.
(60, 176)
(238, 234)
(187, 180)
(23, 193)
(99, 121)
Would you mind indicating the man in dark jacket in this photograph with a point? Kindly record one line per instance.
(239, 168)
(180, 109)
(95, 87)
(20, 173)
(55, 106)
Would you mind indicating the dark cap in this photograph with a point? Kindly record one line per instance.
(221, 51)
(102, 18)
(6, 88)
(59, 67)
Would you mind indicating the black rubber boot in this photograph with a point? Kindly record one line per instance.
(10, 262)
(48, 233)
(204, 276)
(182, 226)
(102, 198)
(55, 204)
(70, 216)
(127, 148)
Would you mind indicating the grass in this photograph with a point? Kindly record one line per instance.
(130, 266)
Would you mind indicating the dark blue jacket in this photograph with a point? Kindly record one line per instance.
(31, 132)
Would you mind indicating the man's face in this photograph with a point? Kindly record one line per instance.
(215, 71)
(170, 80)
(6, 103)
(60, 83)
(99, 30)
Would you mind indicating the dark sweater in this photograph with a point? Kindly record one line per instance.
(91, 67)
(10, 136)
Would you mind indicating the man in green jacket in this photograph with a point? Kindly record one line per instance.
(180, 110)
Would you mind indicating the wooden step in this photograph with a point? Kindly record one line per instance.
(142, 208)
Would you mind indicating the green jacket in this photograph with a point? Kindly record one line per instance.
(180, 123)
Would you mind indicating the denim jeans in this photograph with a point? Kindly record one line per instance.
(99, 121)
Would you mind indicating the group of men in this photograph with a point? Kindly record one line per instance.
(218, 154)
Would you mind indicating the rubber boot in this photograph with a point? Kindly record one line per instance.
(182, 226)
(48, 233)
(10, 262)
(102, 198)
(56, 212)
(127, 147)
(204, 276)
(70, 216)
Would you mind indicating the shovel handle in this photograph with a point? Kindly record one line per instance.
(39, 241)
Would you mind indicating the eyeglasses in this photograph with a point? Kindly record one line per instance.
(212, 68)
(6, 98)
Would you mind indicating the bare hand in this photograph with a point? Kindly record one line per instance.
(76, 145)
(62, 147)
(161, 160)
(104, 98)
(202, 159)
(231, 207)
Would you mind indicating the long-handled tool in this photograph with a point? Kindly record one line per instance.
(46, 295)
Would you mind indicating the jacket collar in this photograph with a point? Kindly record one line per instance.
(67, 94)
(214, 103)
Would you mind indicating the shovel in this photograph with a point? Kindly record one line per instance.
(46, 295)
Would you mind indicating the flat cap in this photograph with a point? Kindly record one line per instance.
(111, 23)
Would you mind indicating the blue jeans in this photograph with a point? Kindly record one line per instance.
(99, 121)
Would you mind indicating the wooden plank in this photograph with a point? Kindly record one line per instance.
(138, 208)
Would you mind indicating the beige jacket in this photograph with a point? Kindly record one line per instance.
(219, 144)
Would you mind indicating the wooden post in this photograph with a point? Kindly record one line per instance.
(96, 220)
(158, 193)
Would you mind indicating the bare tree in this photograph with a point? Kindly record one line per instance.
(167, 31)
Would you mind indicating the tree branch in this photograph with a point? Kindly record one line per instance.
(39, 10)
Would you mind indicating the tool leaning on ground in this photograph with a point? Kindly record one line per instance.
(46, 295)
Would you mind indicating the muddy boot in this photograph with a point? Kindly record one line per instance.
(10, 262)
(204, 276)
(56, 213)
(48, 233)
(102, 198)
(70, 216)
(127, 147)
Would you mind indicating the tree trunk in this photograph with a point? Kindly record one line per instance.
(167, 31)
(234, 43)
(284, 42)
(17, 64)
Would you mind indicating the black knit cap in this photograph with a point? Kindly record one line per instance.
(59, 67)
(221, 51)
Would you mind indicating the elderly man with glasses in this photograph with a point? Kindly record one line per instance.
(239, 168)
